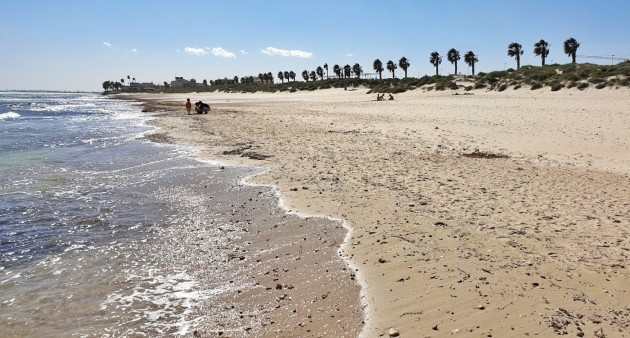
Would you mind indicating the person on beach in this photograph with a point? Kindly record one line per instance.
(188, 106)
(391, 97)
(202, 108)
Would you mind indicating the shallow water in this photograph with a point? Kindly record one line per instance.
(104, 234)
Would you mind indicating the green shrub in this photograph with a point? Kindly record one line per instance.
(480, 85)
(557, 86)
(503, 87)
(536, 86)
(468, 88)
(596, 80)
(583, 85)
(572, 84)
(601, 85)
(517, 87)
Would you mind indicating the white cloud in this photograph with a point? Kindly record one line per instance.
(195, 51)
(218, 51)
(244, 52)
(349, 55)
(107, 44)
(288, 53)
(135, 50)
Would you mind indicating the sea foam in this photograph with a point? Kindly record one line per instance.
(9, 115)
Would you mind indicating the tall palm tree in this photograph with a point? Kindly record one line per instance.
(128, 79)
(404, 64)
(357, 70)
(326, 68)
(391, 66)
(453, 56)
(270, 77)
(305, 75)
(261, 77)
(134, 79)
(266, 78)
(337, 71)
(470, 58)
(313, 75)
(570, 48)
(287, 75)
(515, 50)
(320, 72)
(281, 76)
(541, 48)
(292, 75)
(378, 67)
(347, 71)
(435, 60)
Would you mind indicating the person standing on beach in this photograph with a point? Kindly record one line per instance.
(188, 106)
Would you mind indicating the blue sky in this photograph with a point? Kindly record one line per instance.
(76, 45)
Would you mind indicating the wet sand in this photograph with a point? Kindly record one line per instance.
(493, 214)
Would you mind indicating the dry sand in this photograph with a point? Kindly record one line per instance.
(486, 215)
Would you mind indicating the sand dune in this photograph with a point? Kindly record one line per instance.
(485, 215)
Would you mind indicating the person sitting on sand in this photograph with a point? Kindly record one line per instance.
(380, 97)
(202, 108)
(391, 97)
(188, 106)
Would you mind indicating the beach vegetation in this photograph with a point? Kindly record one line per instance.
(436, 60)
(378, 67)
(515, 50)
(404, 64)
(556, 86)
(601, 85)
(453, 56)
(583, 85)
(541, 48)
(536, 85)
(503, 87)
(470, 58)
(570, 48)
(391, 66)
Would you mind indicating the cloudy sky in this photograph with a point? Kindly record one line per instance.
(78, 44)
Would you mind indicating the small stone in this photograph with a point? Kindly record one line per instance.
(481, 307)
(278, 286)
(435, 327)
(393, 332)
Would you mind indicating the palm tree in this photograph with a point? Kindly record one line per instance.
(337, 71)
(122, 81)
(347, 71)
(287, 75)
(515, 50)
(313, 75)
(281, 76)
(570, 48)
(391, 66)
(305, 75)
(134, 80)
(470, 58)
(292, 75)
(404, 64)
(266, 78)
(357, 70)
(270, 77)
(435, 60)
(541, 48)
(106, 85)
(378, 67)
(453, 56)
(128, 78)
(320, 72)
(261, 77)
(326, 67)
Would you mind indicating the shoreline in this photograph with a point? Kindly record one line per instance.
(403, 203)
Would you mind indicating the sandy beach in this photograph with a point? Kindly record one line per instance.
(494, 214)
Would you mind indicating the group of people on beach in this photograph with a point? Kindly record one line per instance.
(200, 107)
(381, 97)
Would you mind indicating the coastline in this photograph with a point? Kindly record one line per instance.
(446, 243)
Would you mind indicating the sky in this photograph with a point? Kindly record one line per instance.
(78, 44)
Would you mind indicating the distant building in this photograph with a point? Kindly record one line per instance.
(139, 87)
(180, 82)
(224, 81)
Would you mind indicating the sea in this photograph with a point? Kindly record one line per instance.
(97, 223)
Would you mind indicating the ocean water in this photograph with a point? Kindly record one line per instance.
(94, 221)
